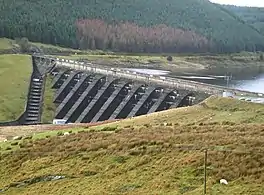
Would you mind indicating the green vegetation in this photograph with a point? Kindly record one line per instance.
(48, 106)
(161, 153)
(23, 45)
(252, 15)
(59, 23)
(6, 44)
(15, 73)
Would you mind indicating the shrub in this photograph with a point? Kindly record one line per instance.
(120, 159)
(8, 148)
(109, 128)
(59, 133)
(14, 143)
(90, 173)
(169, 58)
(28, 137)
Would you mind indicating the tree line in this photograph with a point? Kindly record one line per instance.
(154, 25)
(129, 37)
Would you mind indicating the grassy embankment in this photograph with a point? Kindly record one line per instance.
(15, 73)
(145, 156)
(15, 70)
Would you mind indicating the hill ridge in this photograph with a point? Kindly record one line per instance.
(58, 26)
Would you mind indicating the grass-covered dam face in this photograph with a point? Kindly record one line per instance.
(85, 97)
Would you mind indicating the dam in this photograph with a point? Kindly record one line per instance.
(87, 93)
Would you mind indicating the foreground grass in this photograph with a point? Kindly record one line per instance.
(15, 73)
(161, 153)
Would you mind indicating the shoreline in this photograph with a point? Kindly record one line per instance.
(236, 64)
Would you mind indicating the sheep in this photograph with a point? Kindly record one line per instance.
(223, 181)
(66, 133)
(17, 138)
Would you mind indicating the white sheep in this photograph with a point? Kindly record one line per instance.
(223, 181)
(66, 133)
(17, 138)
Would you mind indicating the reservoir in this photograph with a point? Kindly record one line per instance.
(248, 83)
(253, 83)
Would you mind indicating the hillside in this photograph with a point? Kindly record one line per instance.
(15, 73)
(252, 15)
(144, 155)
(129, 26)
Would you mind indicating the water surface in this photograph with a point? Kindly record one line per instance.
(253, 83)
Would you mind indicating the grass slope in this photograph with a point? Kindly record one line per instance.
(15, 70)
(15, 73)
(145, 156)
(6, 44)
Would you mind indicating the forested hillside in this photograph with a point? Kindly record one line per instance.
(252, 15)
(129, 25)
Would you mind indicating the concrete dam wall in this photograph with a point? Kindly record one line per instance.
(86, 92)
(83, 97)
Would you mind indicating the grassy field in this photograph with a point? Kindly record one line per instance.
(6, 43)
(15, 73)
(161, 153)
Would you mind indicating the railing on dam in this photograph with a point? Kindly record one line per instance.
(160, 80)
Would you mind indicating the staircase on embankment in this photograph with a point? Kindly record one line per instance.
(32, 114)
(33, 108)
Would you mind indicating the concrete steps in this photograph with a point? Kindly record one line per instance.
(33, 109)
